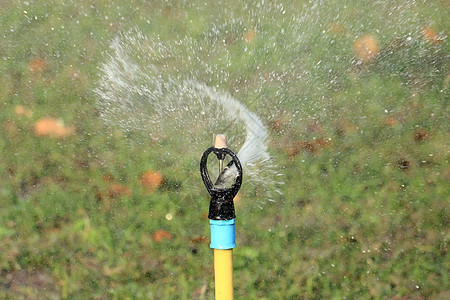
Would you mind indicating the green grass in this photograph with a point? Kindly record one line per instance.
(362, 216)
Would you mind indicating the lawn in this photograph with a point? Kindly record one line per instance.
(355, 96)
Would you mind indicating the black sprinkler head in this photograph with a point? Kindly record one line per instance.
(221, 206)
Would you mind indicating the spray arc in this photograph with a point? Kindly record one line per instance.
(222, 214)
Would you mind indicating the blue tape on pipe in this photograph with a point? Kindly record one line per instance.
(222, 234)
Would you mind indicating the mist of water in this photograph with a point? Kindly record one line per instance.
(137, 94)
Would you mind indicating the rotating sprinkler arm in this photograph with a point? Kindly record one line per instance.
(221, 214)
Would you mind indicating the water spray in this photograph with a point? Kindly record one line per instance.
(221, 213)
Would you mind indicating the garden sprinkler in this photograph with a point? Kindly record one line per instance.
(221, 214)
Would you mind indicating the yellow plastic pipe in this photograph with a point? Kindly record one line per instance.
(223, 259)
(223, 274)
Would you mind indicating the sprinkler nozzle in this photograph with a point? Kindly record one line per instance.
(222, 206)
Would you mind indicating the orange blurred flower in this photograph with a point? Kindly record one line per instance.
(431, 36)
(51, 127)
(366, 48)
(151, 180)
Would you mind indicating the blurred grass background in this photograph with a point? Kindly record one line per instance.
(364, 213)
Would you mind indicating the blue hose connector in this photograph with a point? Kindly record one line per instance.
(222, 234)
